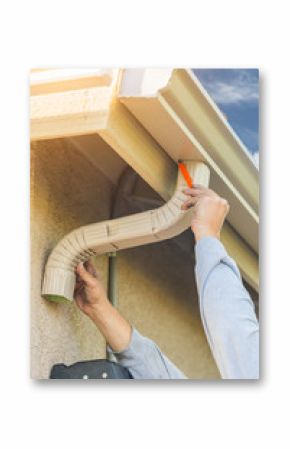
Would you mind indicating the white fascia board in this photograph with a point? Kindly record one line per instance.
(145, 81)
(157, 111)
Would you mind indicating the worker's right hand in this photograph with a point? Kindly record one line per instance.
(89, 290)
(210, 211)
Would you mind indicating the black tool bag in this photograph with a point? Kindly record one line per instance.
(91, 369)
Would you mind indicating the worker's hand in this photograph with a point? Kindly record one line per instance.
(89, 290)
(210, 211)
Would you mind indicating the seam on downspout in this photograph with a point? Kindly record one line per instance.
(107, 236)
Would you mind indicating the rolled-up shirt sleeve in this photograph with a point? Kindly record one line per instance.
(144, 359)
(227, 312)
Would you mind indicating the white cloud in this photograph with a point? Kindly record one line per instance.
(241, 87)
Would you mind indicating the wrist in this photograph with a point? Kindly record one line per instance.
(199, 234)
(96, 308)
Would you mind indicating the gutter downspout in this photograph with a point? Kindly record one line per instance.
(109, 236)
(112, 290)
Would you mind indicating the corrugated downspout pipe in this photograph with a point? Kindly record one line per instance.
(108, 236)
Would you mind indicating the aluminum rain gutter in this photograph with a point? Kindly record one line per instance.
(134, 230)
(176, 110)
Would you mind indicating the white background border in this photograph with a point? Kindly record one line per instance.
(130, 33)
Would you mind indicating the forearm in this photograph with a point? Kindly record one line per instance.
(227, 312)
(132, 350)
(144, 359)
(115, 328)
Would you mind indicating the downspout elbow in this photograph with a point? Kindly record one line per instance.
(112, 235)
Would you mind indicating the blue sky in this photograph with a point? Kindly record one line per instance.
(236, 92)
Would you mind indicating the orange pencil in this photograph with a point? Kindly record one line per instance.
(185, 173)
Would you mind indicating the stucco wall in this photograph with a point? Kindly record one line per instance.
(156, 284)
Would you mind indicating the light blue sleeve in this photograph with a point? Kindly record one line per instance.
(145, 360)
(227, 312)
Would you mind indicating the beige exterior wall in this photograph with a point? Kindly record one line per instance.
(157, 291)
